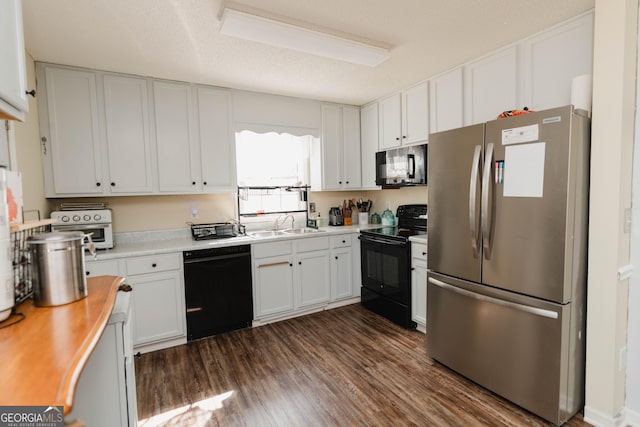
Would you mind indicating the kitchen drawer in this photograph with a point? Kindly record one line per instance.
(342, 241)
(419, 251)
(271, 249)
(102, 268)
(312, 244)
(153, 263)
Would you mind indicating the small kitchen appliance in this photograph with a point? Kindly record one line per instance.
(402, 167)
(216, 230)
(335, 217)
(87, 220)
(58, 267)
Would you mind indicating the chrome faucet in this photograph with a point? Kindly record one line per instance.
(278, 223)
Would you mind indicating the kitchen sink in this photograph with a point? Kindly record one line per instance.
(266, 233)
(303, 231)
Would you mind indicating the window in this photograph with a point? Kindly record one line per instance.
(272, 159)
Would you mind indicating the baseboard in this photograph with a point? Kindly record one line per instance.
(146, 348)
(599, 419)
(632, 418)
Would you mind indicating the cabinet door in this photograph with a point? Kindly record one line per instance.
(368, 145)
(101, 394)
(313, 278)
(390, 122)
(128, 141)
(174, 138)
(13, 74)
(491, 86)
(217, 145)
(331, 147)
(72, 108)
(419, 295)
(552, 59)
(415, 114)
(446, 101)
(158, 307)
(273, 286)
(351, 148)
(341, 274)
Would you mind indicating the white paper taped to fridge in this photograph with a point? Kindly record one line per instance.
(524, 170)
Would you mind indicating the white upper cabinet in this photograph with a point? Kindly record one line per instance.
(369, 144)
(390, 119)
(128, 140)
(491, 86)
(175, 142)
(415, 114)
(404, 117)
(70, 133)
(340, 153)
(13, 75)
(217, 153)
(551, 59)
(446, 101)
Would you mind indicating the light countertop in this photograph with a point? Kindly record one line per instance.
(144, 244)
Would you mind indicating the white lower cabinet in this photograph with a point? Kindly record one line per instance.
(106, 390)
(291, 277)
(419, 284)
(158, 307)
(341, 267)
(272, 285)
(157, 300)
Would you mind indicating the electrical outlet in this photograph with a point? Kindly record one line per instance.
(312, 207)
(194, 212)
(622, 361)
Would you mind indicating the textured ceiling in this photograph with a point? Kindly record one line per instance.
(179, 40)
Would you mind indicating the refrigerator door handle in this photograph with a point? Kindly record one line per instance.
(473, 183)
(484, 207)
(520, 307)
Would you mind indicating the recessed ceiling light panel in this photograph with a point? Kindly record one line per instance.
(281, 34)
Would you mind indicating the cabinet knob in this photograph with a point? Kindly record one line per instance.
(113, 184)
(290, 265)
(424, 253)
(397, 138)
(344, 241)
(193, 183)
(339, 182)
(204, 183)
(413, 268)
(87, 273)
(299, 262)
(347, 182)
(336, 256)
(98, 184)
(154, 265)
(404, 136)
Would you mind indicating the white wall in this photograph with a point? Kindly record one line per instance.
(633, 333)
(614, 73)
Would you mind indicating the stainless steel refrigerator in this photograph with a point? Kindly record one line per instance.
(506, 279)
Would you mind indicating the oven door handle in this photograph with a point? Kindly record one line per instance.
(380, 240)
(80, 226)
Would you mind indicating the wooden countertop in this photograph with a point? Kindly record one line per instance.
(42, 357)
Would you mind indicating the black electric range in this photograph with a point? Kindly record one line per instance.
(386, 265)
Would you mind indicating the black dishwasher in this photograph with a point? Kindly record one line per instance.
(218, 290)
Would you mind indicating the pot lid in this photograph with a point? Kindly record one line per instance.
(56, 237)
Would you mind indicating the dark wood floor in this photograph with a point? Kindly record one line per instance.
(343, 367)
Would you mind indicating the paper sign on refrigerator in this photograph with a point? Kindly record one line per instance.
(524, 170)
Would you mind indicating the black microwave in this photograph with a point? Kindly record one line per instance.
(402, 167)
